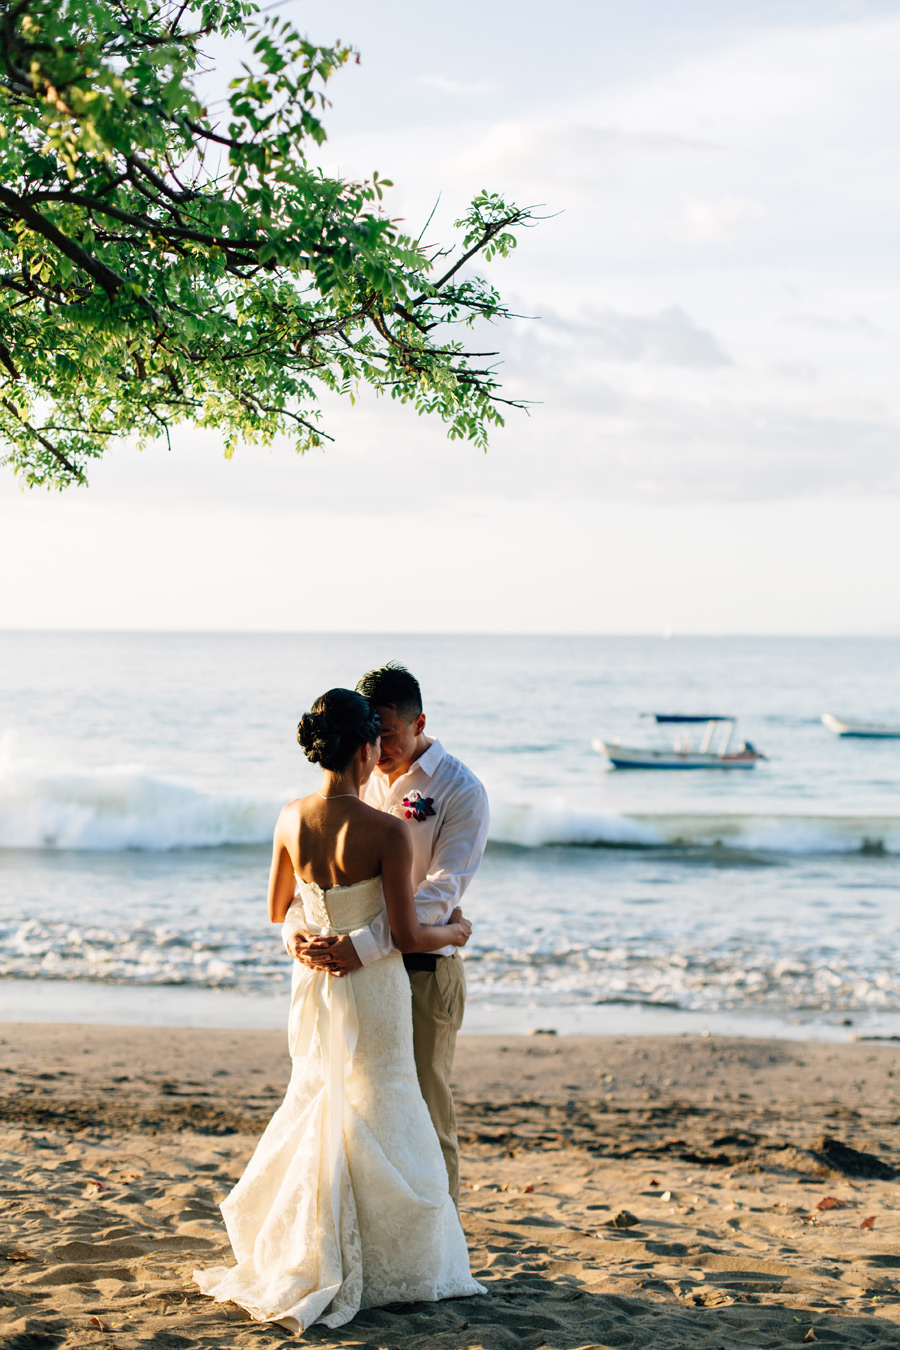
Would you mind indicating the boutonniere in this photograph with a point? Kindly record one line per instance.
(417, 807)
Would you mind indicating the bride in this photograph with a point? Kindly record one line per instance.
(345, 1202)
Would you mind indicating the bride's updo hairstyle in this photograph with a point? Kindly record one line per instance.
(336, 726)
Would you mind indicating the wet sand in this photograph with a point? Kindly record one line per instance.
(657, 1192)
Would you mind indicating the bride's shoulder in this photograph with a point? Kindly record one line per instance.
(382, 822)
(292, 808)
(392, 837)
(290, 814)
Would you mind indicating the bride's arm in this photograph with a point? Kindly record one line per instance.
(281, 873)
(409, 934)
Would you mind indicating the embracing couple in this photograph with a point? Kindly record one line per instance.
(349, 1200)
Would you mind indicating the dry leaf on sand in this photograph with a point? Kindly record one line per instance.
(869, 1222)
(831, 1202)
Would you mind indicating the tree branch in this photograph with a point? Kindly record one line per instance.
(286, 412)
(487, 236)
(251, 402)
(145, 223)
(7, 360)
(159, 183)
(105, 277)
(42, 440)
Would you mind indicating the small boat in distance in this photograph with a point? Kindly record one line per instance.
(693, 717)
(873, 731)
(683, 755)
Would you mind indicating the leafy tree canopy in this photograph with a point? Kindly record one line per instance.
(163, 261)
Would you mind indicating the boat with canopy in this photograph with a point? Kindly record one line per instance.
(713, 751)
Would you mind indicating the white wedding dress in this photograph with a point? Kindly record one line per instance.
(344, 1204)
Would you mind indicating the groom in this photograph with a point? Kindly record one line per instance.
(446, 811)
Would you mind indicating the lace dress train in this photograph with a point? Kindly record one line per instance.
(344, 1204)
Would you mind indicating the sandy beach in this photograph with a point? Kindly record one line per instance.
(629, 1192)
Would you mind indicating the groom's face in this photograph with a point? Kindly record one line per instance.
(398, 739)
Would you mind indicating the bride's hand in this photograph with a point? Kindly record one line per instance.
(335, 954)
(299, 943)
(460, 929)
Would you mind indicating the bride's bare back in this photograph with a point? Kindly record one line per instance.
(339, 841)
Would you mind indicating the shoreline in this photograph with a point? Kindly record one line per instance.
(116, 1145)
(48, 1002)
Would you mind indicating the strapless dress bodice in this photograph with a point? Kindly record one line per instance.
(340, 909)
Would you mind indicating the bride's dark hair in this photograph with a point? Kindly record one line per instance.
(337, 724)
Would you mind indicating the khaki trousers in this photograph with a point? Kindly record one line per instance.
(438, 1003)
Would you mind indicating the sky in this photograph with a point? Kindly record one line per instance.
(709, 353)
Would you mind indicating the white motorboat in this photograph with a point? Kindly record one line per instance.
(713, 752)
(875, 731)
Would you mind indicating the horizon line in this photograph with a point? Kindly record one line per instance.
(668, 636)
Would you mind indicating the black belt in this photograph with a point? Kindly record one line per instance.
(421, 961)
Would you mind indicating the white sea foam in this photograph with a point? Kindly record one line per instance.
(122, 807)
(142, 954)
(536, 826)
(555, 822)
(686, 972)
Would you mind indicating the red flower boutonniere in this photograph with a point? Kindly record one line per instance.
(417, 807)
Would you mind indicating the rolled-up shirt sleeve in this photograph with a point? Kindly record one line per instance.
(373, 942)
(457, 852)
(370, 943)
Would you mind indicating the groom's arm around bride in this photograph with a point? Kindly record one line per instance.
(446, 811)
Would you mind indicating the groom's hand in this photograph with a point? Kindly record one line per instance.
(337, 955)
(460, 920)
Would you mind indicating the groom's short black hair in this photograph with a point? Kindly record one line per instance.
(392, 686)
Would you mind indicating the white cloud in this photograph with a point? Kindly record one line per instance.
(721, 221)
(670, 337)
(448, 86)
(817, 83)
(566, 149)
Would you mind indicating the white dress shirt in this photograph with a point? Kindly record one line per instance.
(447, 847)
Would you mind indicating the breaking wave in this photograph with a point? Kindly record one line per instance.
(121, 807)
(749, 833)
(118, 808)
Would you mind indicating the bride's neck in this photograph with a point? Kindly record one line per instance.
(348, 783)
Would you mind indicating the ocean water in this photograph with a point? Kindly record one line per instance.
(141, 775)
